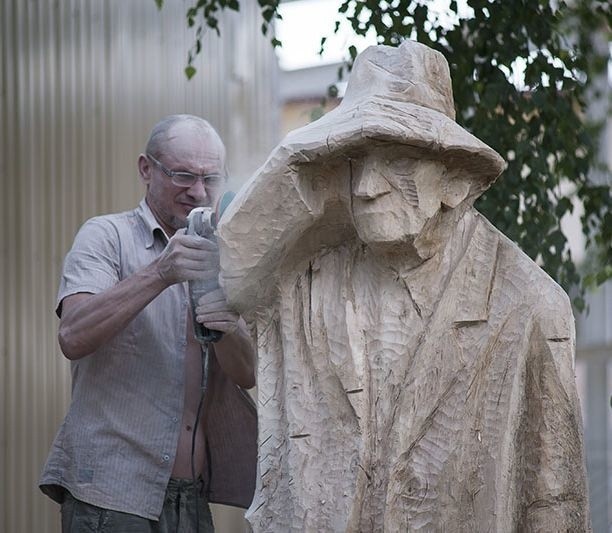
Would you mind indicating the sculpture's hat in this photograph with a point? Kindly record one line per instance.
(399, 95)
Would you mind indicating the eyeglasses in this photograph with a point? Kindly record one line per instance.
(187, 179)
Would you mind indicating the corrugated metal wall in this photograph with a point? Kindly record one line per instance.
(594, 367)
(82, 82)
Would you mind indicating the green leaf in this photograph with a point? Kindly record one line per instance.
(316, 113)
(159, 4)
(579, 303)
(267, 14)
(322, 45)
(190, 71)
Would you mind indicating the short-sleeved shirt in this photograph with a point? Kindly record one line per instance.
(117, 445)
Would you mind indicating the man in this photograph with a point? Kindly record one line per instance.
(415, 367)
(126, 453)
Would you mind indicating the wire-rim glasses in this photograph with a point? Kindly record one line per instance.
(187, 179)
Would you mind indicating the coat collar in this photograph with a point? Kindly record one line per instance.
(462, 273)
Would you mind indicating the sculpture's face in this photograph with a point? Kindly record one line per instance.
(393, 196)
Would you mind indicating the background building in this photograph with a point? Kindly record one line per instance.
(594, 380)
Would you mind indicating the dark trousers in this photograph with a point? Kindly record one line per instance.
(178, 514)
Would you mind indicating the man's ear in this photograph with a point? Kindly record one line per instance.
(455, 188)
(144, 168)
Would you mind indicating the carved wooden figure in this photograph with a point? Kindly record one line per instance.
(415, 367)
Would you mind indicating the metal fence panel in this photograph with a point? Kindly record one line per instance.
(82, 82)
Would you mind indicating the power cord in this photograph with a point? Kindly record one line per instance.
(203, 386)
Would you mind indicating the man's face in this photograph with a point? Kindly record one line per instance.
(187, 150)
(392, 197)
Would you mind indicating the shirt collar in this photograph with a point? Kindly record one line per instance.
(151, 224)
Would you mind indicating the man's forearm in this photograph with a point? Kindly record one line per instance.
(90, 320)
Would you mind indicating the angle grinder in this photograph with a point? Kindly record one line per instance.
(203, 221)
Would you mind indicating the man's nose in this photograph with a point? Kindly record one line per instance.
(197, 190)
(369, 182)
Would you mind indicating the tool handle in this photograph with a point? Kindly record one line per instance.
(200, 222)
(205, 335)
(203, 221)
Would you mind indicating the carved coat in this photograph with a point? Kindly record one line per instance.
(423, 400)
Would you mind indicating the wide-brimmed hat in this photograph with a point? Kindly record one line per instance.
(402, 96)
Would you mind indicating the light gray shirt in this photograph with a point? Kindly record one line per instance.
(116, 447)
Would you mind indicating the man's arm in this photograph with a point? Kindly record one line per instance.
(89, 320)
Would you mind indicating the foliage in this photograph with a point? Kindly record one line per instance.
(539, 127)
(206, 14)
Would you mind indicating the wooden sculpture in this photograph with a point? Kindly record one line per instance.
(415, 367)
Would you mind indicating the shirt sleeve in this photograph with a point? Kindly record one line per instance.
(93, 263)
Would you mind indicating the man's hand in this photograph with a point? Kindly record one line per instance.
(235, 351)
(90, 320)
(188, 257)
(214, 312)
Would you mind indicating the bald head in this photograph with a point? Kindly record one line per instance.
(171, 127)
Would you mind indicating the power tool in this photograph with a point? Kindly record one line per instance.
(203, 221)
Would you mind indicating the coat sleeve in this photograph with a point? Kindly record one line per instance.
(552, 488)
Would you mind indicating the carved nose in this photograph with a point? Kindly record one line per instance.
(370, 183)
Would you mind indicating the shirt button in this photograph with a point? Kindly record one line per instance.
(166, 457)
(175, 419)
